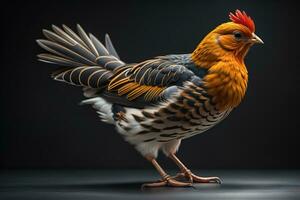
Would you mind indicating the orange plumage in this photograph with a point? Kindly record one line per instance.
(222, 53)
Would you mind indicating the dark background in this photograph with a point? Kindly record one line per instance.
(42, 125)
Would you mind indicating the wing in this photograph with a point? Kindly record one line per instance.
(148, 82)
(98, 69)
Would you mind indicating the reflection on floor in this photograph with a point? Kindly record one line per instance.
(126, 184)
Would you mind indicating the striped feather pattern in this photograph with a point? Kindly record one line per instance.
(149, 79)
(88, 62)
(191, 112)
(89, 76)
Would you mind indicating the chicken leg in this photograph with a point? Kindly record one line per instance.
(166, 180)
(186, 173)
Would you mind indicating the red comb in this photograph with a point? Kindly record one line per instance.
(242, 18)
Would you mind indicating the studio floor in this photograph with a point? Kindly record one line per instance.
(126, 184)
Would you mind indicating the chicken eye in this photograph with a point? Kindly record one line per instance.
(237, 35)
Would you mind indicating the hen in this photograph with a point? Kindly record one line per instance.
(156, 103)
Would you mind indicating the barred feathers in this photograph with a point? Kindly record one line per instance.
(86, 61)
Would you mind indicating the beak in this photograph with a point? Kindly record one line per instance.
(256, 39)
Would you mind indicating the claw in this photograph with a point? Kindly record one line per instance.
(199, 179)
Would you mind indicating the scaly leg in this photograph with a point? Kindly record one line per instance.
(166, 180)
(186, 173)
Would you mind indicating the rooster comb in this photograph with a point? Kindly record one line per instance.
(240, 17)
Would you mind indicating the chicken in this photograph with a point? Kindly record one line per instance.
(156, 103)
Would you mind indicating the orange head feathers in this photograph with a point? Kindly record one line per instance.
(222, 52)
(231, 39)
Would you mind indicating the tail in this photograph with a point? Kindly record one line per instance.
(82, 58)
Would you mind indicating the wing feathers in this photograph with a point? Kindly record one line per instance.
(127, 88)
(153, 92)
(150, 79)
(92, 65)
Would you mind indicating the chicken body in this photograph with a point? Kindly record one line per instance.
(157, 103)
(185, 111)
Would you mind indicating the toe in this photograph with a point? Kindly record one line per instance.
(155, 184)
(175, 183)
(199, 179)
(216, 180)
